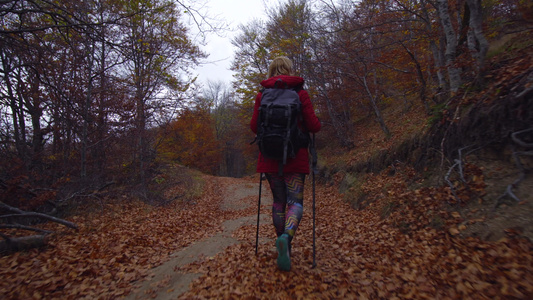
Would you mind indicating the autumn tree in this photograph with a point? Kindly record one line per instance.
(250, 61)
(288, 32)
(359, 51)
(285, 33)
(80, 80)
(228, 128)
(381, 47)
(156, 48)
(325, 78)
(192, 142)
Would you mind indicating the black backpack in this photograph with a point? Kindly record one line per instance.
(278, 134)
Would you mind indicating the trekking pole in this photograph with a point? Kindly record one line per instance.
(314, 213)
(315, 160)
(258, 212)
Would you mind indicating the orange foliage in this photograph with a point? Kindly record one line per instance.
(192, 142)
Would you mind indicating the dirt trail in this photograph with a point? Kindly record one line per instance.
(166, 281)
(360, 254)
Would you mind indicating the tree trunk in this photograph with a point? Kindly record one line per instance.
(19, 143)
(421, 78)
(342, 136)
(454, 73)
(376, 109)
(476, 28)
(86, 107)
(437, 55)
(36, 113)
(101, 126)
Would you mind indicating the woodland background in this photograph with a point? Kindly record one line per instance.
(100, 91)
(98, 101)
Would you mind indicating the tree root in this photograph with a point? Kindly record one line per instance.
(458, 164)
(516, 155)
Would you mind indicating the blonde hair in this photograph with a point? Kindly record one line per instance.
(281, 65)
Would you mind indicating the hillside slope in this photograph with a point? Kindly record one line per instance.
(477, 146)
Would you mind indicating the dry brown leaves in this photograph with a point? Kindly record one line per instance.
(113, 247)
(406, 253)
(404, 245)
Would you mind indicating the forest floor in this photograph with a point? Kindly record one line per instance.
(167, 281)
(408, 243)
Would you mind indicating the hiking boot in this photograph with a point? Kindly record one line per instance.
(290, 244)
(284, 258)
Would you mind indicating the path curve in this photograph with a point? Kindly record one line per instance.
(166, 281)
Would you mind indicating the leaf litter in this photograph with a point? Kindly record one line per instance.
(403, 245)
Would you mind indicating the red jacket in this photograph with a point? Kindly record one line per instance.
(300, 163)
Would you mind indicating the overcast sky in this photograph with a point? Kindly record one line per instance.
(220, 49)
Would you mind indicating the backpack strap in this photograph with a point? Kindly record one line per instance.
(280, 168)
(279, 82)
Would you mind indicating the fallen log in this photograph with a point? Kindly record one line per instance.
(15, 244)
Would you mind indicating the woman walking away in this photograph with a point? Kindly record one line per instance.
(287, 187)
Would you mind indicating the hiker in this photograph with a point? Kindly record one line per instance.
(287, 187)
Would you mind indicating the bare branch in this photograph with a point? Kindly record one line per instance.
(392, 67)
(201, 19)
(18, 226)
(525, 92)
(40, 215)
(518, 141)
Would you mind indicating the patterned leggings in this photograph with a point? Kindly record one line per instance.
(288, 194)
